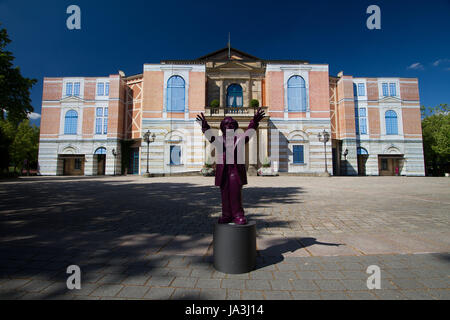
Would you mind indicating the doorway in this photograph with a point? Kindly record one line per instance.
(362, 157)
(101, 164)
(134, 161)
(390, 165)
(100, 153)
(73, 165)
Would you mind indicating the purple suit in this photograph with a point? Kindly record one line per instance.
(231, 177)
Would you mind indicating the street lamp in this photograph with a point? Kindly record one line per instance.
(115, 155)
(324, 137)
(149, 139)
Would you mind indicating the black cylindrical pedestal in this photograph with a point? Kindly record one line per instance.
(235, 247)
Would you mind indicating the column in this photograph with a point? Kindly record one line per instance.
(263, 144)
(221, 100)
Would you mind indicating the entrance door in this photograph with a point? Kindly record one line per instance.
(134, 161)
(101, 161)
(390, 166)
(362, 159)
(73, 166)
(363, 155)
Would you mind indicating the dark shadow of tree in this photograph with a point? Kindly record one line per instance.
(111, 226)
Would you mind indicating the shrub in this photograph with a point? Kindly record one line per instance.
(254, 103)
(215, 103)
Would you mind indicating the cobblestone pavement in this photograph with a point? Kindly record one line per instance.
(137, 238)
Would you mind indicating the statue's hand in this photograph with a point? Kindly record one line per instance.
(259, 115)
(201, 118)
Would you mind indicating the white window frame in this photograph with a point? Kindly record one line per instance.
(103, 96)
(73, 81)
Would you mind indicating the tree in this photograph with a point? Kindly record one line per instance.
(7, 134)
(15, 102)
(25, 145)
(14, 88)
(436, 138)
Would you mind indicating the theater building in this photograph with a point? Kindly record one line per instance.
(96, 125)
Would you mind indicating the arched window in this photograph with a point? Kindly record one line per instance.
(175, 93)
(391, 122)
(296, 94)
(70, 122)
(100, 150)
(361, 150)
(234, 96)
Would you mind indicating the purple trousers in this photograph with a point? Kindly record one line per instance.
(231, 190)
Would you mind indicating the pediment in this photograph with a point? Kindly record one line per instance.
(234, 65)
(72, 99)
(222, 54)
(390, 100)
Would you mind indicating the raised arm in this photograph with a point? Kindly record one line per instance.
(205, 126)
(254, 123)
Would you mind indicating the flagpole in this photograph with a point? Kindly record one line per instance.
(229, 46)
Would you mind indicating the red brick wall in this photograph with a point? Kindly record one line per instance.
(275, 91)
(52, 90)
(197, 92)
(50, 120)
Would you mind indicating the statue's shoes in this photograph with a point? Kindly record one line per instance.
(240, 220)
(223, 220)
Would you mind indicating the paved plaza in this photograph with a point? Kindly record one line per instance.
(138, 238)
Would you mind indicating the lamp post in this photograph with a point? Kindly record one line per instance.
(115, 155)
(324, 137)
(149, 139)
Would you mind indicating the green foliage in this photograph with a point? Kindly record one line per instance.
(25, 145)
(7, 134)
(254, 103)
(215, 103)
(14, 88)
(266, 163)
(436, 138)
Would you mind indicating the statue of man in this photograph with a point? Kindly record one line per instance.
(231, 175)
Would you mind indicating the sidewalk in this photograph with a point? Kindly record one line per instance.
(137, 238)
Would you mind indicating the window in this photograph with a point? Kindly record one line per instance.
(389, 89)
(100, 150)
(298, 156)
(296, 94)
(234, 96)
(175, 94)
(73, 89)
(391, 122)
(360, 120)
(77, 164)
(102, 88)
(361, 89)
(175, 155)
(76, 89)
(362, 151)
(385, 89)
(392, 89)
(101, 120)
(70, 122)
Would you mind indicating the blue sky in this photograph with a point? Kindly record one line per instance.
(414, 40)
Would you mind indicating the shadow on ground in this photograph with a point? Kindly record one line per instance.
(273, 254)
(108, 226)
